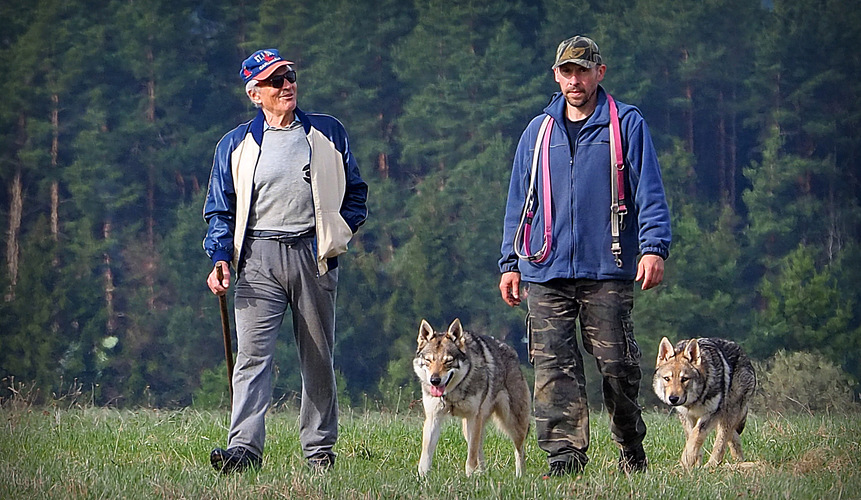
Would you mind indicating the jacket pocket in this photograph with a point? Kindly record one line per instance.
(333, 236)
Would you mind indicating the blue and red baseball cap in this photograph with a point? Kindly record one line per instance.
(261, 64)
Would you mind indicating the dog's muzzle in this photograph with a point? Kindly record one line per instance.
(437, 388)
(675, 400)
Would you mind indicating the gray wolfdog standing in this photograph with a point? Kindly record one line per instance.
(472, 377)
(710, 383)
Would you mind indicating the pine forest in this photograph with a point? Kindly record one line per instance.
(111, 110)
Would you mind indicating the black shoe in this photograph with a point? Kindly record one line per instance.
(236, 459)
(633, 460)
(563, 468)
(321, 462)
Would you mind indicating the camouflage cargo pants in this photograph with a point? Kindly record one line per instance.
(603, 309)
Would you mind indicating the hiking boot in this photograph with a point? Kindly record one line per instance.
(633, 460)
(563, 468)
(236, 459)
(321, 463)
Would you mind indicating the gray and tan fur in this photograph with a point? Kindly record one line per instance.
(710, 382)
(472, 377)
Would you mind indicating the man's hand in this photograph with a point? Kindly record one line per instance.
(650, 270)
(509, 287)
(219, 287)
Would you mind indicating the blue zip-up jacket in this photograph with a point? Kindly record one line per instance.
(580, 189)
(337, 188)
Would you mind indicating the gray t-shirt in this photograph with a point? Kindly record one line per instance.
(282, 198)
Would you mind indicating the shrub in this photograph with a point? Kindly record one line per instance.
(801, 381)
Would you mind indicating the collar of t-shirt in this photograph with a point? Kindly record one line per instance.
(296, 123)
(573, 129)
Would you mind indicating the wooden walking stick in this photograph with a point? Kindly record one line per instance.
(225, 329)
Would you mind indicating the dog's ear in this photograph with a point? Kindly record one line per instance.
(425, 333)
(665, 350)
(692, 351)
(455, 333)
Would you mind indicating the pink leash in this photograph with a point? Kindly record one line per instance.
(619, 160)
(542, 254)
(618, 209)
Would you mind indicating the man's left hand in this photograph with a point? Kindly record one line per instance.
(650, 270)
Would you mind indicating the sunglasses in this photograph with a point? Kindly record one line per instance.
(277, 81)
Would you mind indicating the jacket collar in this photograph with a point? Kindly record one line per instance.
(258, 124)
(601, 116)
(304, 119)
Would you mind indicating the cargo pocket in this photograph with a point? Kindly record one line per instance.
(632, 349)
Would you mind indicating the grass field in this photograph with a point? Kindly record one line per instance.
(106, 453)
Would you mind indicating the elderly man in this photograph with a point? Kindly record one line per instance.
(285, 197)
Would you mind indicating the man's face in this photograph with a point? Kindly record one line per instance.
(277, 94)
(579, 85)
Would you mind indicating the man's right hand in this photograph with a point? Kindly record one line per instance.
(219, 287)
(509, 288)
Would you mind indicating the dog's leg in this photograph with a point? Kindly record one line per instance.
(735, 439)
(735, 447)
(688, 423)
(473, 431)
(519, 456)
(722, 436)
(430, 435)
(693, 453)
(517, 430)
(514, 423)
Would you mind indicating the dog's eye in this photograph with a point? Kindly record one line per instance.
(684, 379)
(667, 379)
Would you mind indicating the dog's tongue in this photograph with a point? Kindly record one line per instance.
(437, 391)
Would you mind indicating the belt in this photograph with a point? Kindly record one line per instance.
(281, 237)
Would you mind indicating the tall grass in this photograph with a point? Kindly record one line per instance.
(87, 452)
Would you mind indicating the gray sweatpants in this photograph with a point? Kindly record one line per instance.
(276, 275)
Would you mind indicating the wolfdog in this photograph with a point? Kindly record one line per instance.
(473, 377)
(710, 382)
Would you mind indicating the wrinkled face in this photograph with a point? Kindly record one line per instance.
(579, 85)
(676, 381)
(439, 364)
(274, 98)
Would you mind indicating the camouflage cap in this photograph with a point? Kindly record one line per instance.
(578, 50)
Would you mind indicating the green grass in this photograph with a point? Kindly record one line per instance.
(107, 453)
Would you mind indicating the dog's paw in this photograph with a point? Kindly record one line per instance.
(689, 460)
(471, 471)
(423, 469)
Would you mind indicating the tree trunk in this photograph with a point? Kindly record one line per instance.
(149, 267)
(55, 199)
(689, 110)
(55, 154)
(383, 165)
(16, 209)
(723, 174)
(733, 153)
(688, 118)
(111, 324)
